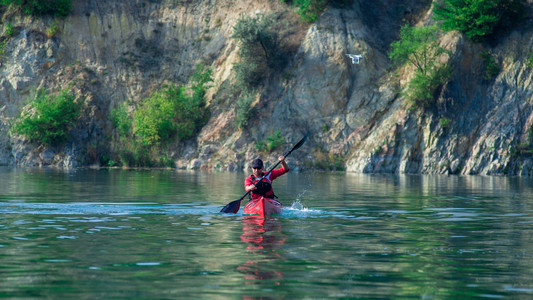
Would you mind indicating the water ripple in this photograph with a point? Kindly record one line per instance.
(112, 209)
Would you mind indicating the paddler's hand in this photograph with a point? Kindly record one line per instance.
(251, 187)
(281, 158)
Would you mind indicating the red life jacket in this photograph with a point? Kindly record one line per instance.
(263, 189)
(266, 190)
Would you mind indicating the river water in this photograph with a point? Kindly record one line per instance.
(158, 234)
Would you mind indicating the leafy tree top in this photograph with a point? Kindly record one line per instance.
(478, 19)
(418, 46)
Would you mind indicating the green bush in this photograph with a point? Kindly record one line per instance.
(51, 118)
(248, 74)
(3, 45)
(271, 143)
(492, 69)
(310, 10)
(244, 110)
(445, 122)
(8, 31)
(529, 62)
(154, 118)
(422, 87)
(172, 112)
(58, 8)
(169, 113)
(478, 19)
(259, 50)
(121, 119)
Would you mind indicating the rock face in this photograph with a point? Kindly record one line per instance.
(115, 51)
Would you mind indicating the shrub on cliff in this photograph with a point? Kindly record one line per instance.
(58, 8)
(166, 113)
(260, 49)
(310, 10)
(492, 68)
(244, 111)
(172, 111)
(419, 47)
(169, 113)
(50, 118)
(478, 19)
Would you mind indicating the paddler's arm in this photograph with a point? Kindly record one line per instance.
(283, 163)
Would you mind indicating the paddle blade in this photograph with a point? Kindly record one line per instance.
(301, 142)
(232, 207)
(298, 145)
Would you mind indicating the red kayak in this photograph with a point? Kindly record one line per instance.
(263, 207)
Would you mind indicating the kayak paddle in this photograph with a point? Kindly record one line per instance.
(233, 207)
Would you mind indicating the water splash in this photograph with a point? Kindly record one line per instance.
(298, 210)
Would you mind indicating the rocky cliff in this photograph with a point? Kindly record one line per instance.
(115, 51)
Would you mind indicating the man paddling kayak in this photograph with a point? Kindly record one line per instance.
(264, 189)
(233, 206)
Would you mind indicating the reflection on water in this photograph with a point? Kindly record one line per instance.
(262, 237)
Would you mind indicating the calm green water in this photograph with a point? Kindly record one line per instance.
(117, 234)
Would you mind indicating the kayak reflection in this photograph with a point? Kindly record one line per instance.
(263, 236)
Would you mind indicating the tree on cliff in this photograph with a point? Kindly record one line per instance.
(478, 18)
(419, 47)
(310, 10)
(58, 8)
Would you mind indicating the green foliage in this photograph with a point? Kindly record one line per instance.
(248, 74)
(271, 143)
(529, 62)
(52, 30)
(51, 119)
(199, 83)
(172, 112)
(491, 66)
(58, 8)
(310, 10)
(169, 113)
(3, 45)
(121, 119)
(325, 128)
(445, 122)
(260, 50)
(422, 87)
(419, 47)
(478, 18)
(8, 31)
(244, 110)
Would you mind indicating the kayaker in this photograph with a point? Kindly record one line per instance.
(265, 187)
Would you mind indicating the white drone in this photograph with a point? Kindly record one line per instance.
(355, 58)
